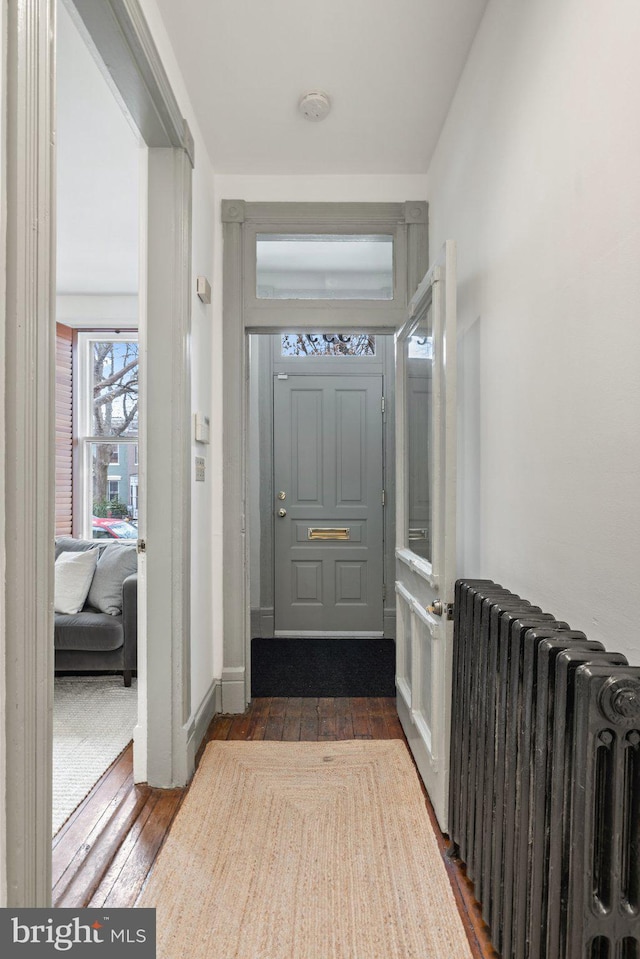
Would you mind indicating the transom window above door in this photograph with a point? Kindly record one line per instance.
(327, 344)
(324, 266)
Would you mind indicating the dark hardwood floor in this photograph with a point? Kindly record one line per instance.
(104, 852)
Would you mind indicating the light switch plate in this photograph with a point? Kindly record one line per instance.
(201, 428)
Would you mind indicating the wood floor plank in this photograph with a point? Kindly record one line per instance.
(377, 721)
(292, 720)
(360, 717)
(240, 727)
(275, 720)
(113, 874)
(80, 881)
(135, 864)
(220, 727)
(344, 722)
(326, 719)
(309, 720)
(259, 717)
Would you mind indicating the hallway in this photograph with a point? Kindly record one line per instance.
(105, 852)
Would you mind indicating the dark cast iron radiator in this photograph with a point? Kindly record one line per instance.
(545, 780)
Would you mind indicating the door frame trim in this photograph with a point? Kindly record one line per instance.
(28, 531)
(406, 221)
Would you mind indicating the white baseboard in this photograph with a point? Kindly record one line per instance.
(210, 705)
(233, 690)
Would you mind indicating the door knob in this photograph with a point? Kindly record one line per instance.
(282, 512)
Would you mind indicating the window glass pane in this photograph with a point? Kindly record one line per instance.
(420, 347)
(324, 267)
(114, 388)
(114, 491)
(419, 362)
(328, 344)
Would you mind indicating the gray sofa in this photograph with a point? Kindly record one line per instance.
(95, 641)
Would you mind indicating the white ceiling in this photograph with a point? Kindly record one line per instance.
(390, 67)
(97, 174)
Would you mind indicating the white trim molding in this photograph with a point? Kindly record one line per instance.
(29, 451)
(199, 722)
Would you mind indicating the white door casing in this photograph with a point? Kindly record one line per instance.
(425, 579)
(118, 30)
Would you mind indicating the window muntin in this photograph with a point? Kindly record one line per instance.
(327, 344)
(107, 423)
(324, 266)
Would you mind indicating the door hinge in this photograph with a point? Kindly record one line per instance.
(141, 546)
(383, 405)
(384, 591)
(384, 497)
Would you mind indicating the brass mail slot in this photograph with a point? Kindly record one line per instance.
(328, 532)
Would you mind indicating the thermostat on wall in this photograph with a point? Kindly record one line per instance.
(201, 428)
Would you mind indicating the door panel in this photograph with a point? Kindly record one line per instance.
(329, 542)
(425, 523)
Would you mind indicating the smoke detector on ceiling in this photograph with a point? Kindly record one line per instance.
(315, 105)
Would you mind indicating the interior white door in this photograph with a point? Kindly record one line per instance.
(425, 522)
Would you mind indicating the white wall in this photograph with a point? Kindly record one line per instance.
(536, 175)
(97, 163)
(203, 604)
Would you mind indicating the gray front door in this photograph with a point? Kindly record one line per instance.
(328, 505)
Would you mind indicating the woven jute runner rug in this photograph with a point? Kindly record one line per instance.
(304, 851)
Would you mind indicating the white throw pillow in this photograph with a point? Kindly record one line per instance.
(73, 575)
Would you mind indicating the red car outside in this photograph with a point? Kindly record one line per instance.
(109, 527)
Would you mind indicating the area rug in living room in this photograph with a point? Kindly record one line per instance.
(93, 721)
(304, 851)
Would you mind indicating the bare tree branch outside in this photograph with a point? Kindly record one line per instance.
(115, 404)
(328, 344)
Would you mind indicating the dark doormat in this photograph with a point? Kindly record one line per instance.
(323, 667)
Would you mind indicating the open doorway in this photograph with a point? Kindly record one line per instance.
(321, 517)
(97, 397)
